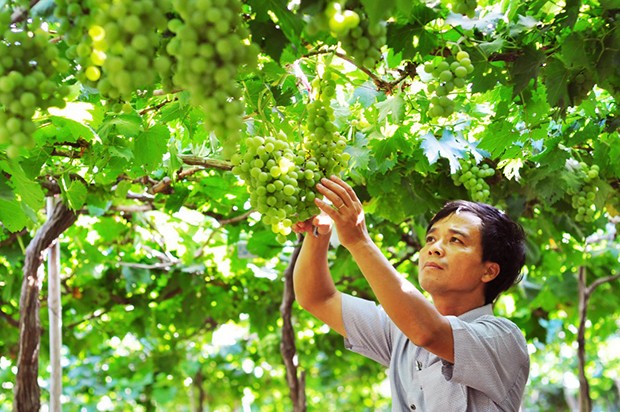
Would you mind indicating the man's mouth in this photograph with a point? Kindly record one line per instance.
(432, 265)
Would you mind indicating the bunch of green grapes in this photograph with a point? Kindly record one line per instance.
(472, 177)
(282, 178)
(115, 42)
(465, 7)
(582, 198)
(446, 76)
(359, 37)
(271, 170)
(74, 18)
(28, 64)
(210, 44)
(325, 146)
(340, 21)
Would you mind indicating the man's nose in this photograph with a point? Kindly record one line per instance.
(436, 248)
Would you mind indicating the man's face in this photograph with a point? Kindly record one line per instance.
(451, 260)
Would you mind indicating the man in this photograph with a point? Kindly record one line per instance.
(448, 355)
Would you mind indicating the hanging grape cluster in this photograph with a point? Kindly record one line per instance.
(472, 178)
(209, 48)
(282, 177)
(447, 75)
(28, 65)
(270, 167)
(582, 197)
(360, 37)
(122, 46)
(465, 7)
(114, 42)
(324, 144)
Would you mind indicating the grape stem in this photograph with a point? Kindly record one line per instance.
(381, 84)
(21, 14)
(157, 106)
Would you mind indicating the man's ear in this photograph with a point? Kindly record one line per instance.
(492, 270)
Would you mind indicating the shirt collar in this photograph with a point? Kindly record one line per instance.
(477, 312)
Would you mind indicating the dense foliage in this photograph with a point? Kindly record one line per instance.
(131, 112)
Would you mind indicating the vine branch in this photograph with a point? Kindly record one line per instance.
(12, 321)
(585, 292)
(294, 378)
(20, 14)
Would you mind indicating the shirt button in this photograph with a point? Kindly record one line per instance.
(412, 406)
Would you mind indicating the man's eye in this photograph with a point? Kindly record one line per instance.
(429, 239)
(456, 240)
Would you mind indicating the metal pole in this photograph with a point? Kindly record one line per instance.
(55, 318)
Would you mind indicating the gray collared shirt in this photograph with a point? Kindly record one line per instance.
(490, 370)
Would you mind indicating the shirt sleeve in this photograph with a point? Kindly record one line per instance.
(367, 328)
(490, 355)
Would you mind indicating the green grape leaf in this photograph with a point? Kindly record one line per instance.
(271, 39)
(27, 189)
(263, 243)
(97, 203)
(556, 79)
(488, 48)
(72, 130)
(526, 68)
(11, 215)
(449, 147)
(109, 228)
(177, 199)
(488, 20)
(128, 125)
(170, 112)
(360, 156)
(150, 146)
(378, 9)
(383, 154)
(75, 192)
(366, 94)
(497, 138)
(135, 278)
(291, 23)
(394, 106)
(5, 189)
(122, 188)
(574, 54)
(570, 12)
(399, 39)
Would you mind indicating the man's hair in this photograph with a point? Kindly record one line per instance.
(503, 242)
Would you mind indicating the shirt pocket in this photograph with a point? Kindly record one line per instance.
(440, 394)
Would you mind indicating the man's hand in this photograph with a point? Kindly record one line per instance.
(345, 210)
(316, 225)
